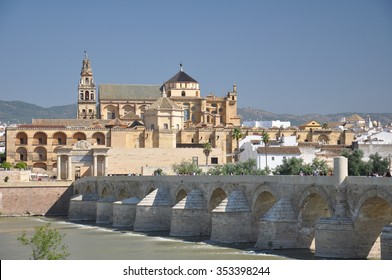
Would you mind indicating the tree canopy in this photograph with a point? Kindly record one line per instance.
(248, 167)
(358, 167)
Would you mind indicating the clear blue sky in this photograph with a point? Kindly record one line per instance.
(285, 56)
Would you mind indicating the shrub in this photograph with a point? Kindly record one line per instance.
(46, 244)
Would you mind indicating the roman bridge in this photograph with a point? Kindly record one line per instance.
(343, 215)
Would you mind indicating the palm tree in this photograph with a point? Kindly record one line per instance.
(237, 135)
(207, 150)
(265, 137)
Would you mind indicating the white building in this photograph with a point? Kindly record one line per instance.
(275, 155)
(252, 147)
(266, 124)
(375, 138)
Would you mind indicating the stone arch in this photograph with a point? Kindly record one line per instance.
(217, 196)
(21, 138)
(99, 138)
(323, 139)
(370, 193)
(40, 165)
(40, 138)
(263, 202)
(150, 189)
(105, 192)
(59, 138)
(39, 154)
(89, 189)
(78, 136)
(21, 154)
(181, 194)
(128, 109)
(313, 205)
(314, 190)
(374, 213)
(110, 112)
(123, 194)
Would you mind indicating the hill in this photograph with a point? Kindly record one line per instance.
(22, 112)
(252, 114)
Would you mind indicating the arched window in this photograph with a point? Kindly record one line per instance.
(81, 96)
(186, 115)
(183, 93)
(92, 96)
(86, 95)
(86, 81)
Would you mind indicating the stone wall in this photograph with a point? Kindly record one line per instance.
(35, 198)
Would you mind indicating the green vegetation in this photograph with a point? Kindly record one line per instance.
(21, 165)
(296, 166)
(248, 167)
(158, 172)
(187, 168)
(6, 165)
(237, 135)
(2, 157)
(357, 167)
(265, 137)
(46, 244)
(207, 150)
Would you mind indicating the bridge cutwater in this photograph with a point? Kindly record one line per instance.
(343, 215)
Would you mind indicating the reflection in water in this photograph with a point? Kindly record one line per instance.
(90, 242)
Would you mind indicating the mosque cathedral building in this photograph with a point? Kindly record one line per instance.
(133, 128)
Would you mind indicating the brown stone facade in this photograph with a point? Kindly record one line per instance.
(35, 198)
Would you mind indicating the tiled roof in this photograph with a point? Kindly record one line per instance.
(282, 150)
(164, 103)
(125, 92)
(355, 118)
(181, 76)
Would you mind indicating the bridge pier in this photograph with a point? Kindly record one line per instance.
(386, 243)
(335, 236)
(83, 207)
(153, 213)
(231, 220)
(278, 228)
(190, 216)
(124, 212)
(105, 210)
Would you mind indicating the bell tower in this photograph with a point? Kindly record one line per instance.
(87, 94)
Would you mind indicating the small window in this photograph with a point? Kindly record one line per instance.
(214, 160)
(183, 93)
(165, 126)
(90, 110)
(273, 158)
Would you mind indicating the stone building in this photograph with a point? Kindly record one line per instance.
(124, 129)
(135, 128)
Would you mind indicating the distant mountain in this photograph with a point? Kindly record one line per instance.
(22, 112)
(12, 112)
(251, 114)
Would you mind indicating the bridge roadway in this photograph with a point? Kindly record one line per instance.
(343, 215)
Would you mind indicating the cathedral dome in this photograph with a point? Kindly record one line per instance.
(182, 77)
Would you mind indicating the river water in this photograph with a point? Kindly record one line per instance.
(91, 242)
